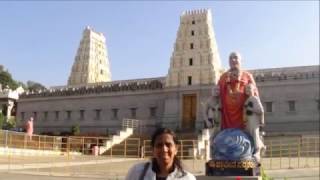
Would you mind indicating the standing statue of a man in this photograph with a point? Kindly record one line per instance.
(212, 110)
(232, 93)
(254, 117)
(212, 118)
(241, 111)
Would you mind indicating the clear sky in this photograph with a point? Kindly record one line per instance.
(38, 40)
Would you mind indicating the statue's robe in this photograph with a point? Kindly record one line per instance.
(233, 97)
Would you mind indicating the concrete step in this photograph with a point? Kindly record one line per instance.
(116, 139)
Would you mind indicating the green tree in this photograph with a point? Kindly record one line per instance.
(6, 80)
(264, 175)
(75, 129)
(24, 86)
(34, 86)
(1, 120)
(10, 124)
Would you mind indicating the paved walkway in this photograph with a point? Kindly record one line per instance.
(296, 174)
(90, 167)
(20, 166)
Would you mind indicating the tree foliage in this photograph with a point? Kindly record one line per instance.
(10, 124)
(75, 129)
(1, 120)
(6, 80)
(24, 86)
(34, 86)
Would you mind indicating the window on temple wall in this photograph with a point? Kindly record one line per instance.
(68, 115)
(268, 107)
(101, 71)
(292, 106)
(189, 80)
(153, 111)
(56, 115)
(193, 22)
(35, 115)
(115, 113)
(192, 33)
(133, 113)
(98, 114)
(23, 115)
(45, 115)
(191, 46)
(190, 61)
(81, 114)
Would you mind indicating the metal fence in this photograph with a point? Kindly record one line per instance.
(291, 152)
(76, 155)
(187, 149)
(17, 143)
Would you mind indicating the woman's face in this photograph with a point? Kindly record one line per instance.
(164, 150)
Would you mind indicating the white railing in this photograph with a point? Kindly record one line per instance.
(116, 139)
(131, 123)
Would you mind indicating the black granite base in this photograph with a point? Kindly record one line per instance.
(232, 168)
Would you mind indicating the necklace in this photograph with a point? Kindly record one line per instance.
(233, 77)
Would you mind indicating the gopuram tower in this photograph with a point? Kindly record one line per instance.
(195, 59)
(91, 64)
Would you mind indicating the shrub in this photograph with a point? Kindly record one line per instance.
(75, 129)
(1, 120)
(264, 175)
(9, 124)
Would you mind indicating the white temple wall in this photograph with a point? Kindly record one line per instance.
(168, 102)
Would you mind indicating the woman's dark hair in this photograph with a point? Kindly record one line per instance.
(176, 161)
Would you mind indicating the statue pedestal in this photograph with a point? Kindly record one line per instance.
(232, 168)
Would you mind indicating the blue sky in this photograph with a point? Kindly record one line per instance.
(38, 40)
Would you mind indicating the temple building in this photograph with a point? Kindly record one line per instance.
(290, 95)
(91, 64)
(195, 59)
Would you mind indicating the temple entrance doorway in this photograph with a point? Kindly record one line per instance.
(189, 106)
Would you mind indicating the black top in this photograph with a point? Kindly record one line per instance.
(161, 178)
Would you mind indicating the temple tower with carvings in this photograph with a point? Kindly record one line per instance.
(91, 64)
(195, 59)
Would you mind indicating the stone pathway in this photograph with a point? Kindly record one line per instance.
(90, 167)
(20, 166)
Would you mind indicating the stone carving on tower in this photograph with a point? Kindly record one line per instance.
(91, 64)
(195, 59)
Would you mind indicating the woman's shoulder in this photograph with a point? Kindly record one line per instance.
(190, 176)
(135, 171)
(139, 166)
(184, 176)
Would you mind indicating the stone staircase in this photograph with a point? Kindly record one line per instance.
(116, 139)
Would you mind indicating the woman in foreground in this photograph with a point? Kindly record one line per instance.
(164, 164)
